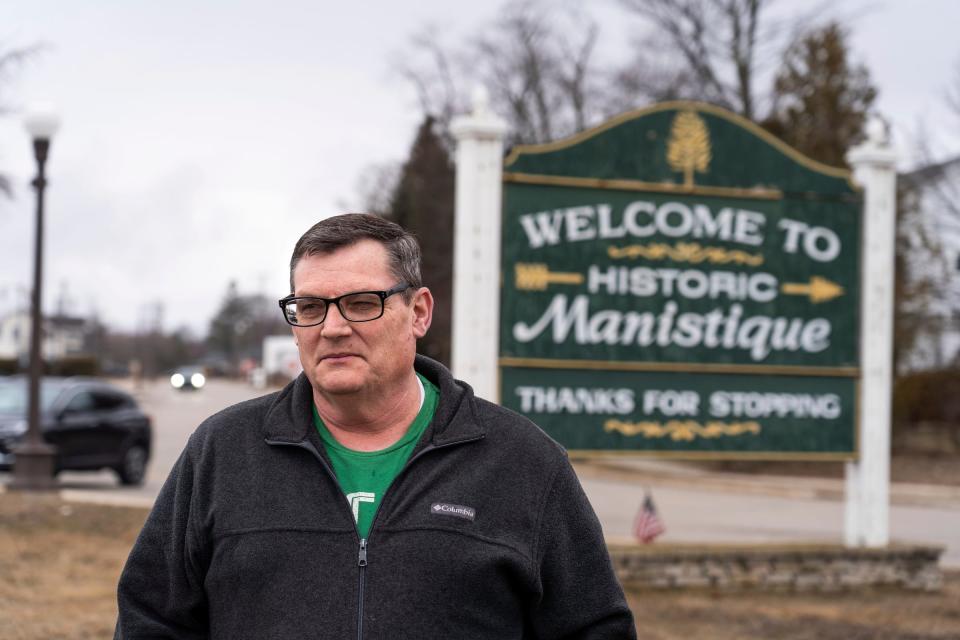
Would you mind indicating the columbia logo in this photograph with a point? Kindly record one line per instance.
(455, 510)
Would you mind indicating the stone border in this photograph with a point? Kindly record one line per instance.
(798, 567)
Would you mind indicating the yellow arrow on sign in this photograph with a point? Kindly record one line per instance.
(819, 289)
(536, 277)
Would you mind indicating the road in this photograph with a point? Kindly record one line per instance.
(706, 514)
(704, 508)
(175, 414)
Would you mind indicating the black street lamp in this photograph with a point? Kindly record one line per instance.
(33, 465)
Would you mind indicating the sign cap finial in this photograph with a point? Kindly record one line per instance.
(480, 98)
(876, 130)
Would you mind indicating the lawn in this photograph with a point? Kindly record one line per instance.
(61, 560)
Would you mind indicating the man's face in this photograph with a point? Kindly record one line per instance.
(340, 357)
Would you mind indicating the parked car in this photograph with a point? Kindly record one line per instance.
(188, 379)
(93, 425)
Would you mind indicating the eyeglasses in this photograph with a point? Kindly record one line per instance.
(358, 306)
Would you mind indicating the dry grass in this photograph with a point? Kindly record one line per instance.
(874, 615)
(60, 563)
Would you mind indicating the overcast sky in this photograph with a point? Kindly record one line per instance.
(200, 139)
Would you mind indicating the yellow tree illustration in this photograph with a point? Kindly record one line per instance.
(688, 148)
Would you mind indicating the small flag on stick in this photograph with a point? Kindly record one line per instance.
(647, 525)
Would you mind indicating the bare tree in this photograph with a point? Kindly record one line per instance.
(711, 50)
(575, 77)
(932, 289)
(10, 61)
(375, 188)
(438, 76)
(953, 92)
(650, 76)
(921, 271)
(539, 79)
(542, 80)
(948, 192)
(928, 296)
(716, 41)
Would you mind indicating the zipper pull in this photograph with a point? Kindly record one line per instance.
(362, 560)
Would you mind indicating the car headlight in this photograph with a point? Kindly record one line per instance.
(177, 380)
(198, 380)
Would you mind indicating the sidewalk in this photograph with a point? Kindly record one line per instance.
(103, 489)
(703, 507)
(645, 472)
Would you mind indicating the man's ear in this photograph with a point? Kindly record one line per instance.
(422, 311)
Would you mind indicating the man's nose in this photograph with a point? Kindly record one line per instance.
(334, 325)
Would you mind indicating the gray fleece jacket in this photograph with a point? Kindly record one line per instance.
(486, 534)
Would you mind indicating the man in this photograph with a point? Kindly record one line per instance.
(373, 497)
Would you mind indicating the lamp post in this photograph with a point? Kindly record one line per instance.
(34, 463)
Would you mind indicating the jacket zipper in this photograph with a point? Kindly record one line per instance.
(362, 553)
(364, 543)
(362, 563)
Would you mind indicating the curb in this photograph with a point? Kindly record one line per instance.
(106, 498)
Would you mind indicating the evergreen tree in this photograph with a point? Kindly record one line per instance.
(423, 204)
(240, 325)
(821, 99)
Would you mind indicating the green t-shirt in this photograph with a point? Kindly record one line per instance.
(364, 476)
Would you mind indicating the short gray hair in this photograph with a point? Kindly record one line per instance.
(403, 250)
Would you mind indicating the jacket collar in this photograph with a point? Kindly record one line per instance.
(289, 418)
(456, 418)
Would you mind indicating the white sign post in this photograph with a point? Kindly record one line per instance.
(476, 265)
(867, 518)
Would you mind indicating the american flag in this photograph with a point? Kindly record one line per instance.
(647, 525)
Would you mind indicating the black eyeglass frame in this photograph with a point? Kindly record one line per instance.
(383, 295)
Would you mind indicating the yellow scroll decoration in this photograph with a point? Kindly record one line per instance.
(688, 148)
(681, 430)
(692, 252)
(537, 276)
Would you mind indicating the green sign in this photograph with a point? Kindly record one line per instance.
(681, 243)
(687, 415)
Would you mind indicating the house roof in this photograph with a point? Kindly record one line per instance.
(931, 172)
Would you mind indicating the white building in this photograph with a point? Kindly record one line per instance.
(281, 356)
(62, 336)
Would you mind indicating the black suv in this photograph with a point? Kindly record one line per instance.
(93, 424)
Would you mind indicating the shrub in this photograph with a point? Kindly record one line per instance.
(928, 396)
